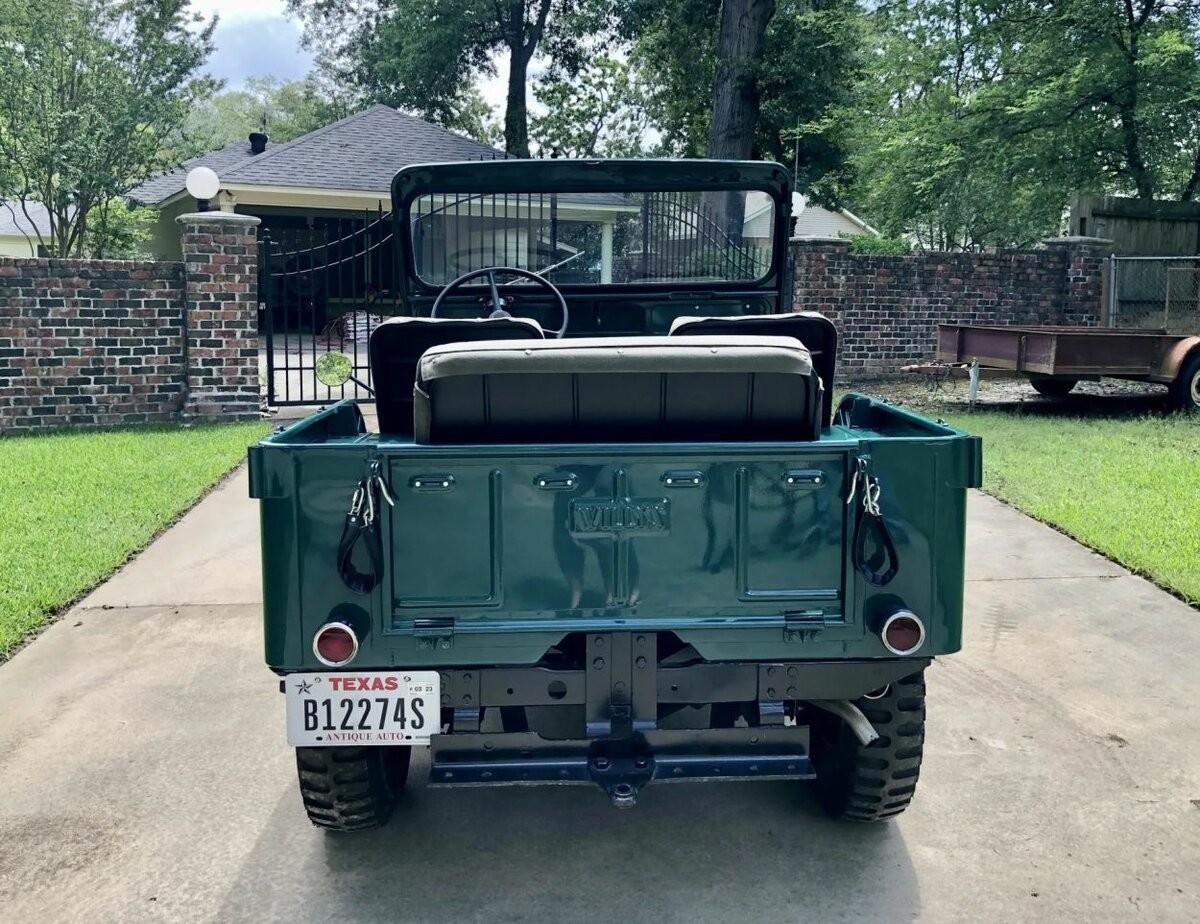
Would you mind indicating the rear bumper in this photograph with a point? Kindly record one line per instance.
(622, 766)
(620, 718)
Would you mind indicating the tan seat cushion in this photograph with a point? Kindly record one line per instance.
(635, 389)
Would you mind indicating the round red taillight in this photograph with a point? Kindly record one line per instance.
(903, 633)
(335, 644)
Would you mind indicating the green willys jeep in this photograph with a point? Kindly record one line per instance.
(611, 529)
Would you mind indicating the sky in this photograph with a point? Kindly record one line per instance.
(256, 38)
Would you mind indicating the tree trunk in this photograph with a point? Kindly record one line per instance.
(1193, 181)
(516, 113)
(1127, 110)
(735, 94)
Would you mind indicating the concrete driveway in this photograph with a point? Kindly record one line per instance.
(144, 775)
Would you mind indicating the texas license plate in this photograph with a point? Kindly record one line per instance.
(362, 708)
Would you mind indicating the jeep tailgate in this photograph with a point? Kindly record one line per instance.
(670, 537)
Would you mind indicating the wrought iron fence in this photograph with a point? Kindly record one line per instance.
(323, 288)
(326, 283)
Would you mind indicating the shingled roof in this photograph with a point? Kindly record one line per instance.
(360, 152)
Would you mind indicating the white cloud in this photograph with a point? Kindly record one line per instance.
(254, 38)
(230, 10)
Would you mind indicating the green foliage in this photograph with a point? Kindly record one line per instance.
(600, 112)
(118, 232)
(425, 55)
(976, 121)
(112, 491)
(284, 110)
(809, 63)
(88, 90)
(879, 245)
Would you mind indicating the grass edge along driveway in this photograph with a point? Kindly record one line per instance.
(1127, 487)
(78, 504)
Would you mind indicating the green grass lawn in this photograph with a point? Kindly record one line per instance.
(76, 505)
(1113, 468)
(1127, 487)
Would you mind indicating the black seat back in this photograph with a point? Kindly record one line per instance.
(814, 330)
(396, 347)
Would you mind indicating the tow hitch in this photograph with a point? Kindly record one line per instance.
(622, 777)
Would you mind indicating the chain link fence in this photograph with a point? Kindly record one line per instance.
(1155, 293)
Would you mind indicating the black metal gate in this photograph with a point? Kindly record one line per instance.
(324, 284)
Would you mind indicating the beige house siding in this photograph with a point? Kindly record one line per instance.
(815, 221)
(15, 245)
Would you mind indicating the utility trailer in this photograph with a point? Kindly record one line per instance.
(1057, 358)
(613, 532)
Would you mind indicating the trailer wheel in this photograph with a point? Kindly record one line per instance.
(351, 789)
(872, 782)
(1053, 388)
(1185, 390)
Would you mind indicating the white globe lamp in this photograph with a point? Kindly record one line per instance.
(202, 184)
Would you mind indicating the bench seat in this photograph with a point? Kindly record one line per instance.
(604, 390)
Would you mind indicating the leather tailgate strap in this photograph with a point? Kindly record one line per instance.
(874, 552)
(871, 526)
(362, 529)
(358, 531)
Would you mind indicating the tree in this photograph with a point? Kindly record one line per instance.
(117, 231)
(740, 42)
(88, 89)
(600, 112)
(1126, 72)
(923, 166)
(807, 63)
(977, 119)
(283, 110)
(424, 55)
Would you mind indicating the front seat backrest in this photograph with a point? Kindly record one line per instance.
(814, 330)
(396, 347)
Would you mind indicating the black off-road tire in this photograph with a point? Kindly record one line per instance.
(1185, 390)
(1053, 388)
(353, 788)
(876, 781)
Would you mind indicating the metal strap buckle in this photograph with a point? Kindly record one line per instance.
(870, 488)
(356, 501)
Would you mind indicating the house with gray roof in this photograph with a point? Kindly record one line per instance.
(20, 226)
(339, 171)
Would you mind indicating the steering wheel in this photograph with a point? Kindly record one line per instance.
(497, 305)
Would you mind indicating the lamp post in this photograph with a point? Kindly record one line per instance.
(202, 184)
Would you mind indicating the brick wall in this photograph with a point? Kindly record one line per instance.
(89, 342)
(887, 308)
(107, 342)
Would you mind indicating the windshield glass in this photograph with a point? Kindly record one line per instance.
(596, 238)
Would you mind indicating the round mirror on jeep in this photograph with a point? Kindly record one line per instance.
(334, 369)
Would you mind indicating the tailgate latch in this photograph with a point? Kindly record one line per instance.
(804, 626)
(433, 633)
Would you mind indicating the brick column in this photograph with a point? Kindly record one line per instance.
(819, 274)
(1085, 279)
(220, 256)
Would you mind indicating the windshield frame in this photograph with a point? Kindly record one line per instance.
(501, 177)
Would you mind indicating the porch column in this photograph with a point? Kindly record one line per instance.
(220, 257)
(606, 251)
